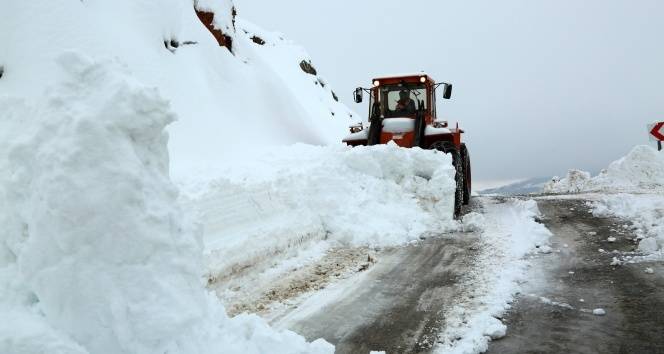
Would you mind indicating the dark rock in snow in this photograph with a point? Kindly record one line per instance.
(308, 68)
(258, 40)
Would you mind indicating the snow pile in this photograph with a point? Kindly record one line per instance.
(291, 197)
(641, 170)
(644, 211)
(96, 256)
(510, 235)
(575, 182)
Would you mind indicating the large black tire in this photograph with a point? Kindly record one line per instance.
(449, 148)
(467, 174)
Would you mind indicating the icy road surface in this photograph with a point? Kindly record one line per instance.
(554, 314)
(398, 306)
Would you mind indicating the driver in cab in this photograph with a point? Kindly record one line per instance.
(405, 104)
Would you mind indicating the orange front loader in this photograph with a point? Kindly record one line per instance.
(403, 110)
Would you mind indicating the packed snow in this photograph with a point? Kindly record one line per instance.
(509, 235)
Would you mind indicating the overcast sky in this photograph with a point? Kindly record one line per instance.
(540, 86)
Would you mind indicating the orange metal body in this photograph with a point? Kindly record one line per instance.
(407, 139)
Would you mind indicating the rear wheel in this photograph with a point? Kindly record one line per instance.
(467, 190)
(449, 148)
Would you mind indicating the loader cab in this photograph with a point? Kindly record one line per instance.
(402, 109)
(386, 95)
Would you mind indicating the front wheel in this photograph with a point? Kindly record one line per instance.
(467, 185)
(449, 148)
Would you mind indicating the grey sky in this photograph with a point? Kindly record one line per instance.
(540, 86)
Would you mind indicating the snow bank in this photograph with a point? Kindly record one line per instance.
(645, 212)
(96, 256)
(510, 234)
(291, 197)
(641, 170)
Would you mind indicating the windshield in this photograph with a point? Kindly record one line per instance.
(402, 100)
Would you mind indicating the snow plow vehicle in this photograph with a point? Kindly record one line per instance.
(403, 110)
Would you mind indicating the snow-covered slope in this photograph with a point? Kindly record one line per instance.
(642, 170)
(226, 102)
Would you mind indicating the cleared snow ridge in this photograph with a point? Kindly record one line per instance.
(292, 198)
(96, 256)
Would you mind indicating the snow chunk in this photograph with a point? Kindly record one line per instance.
(495, 329)
(575, 182)
(545, 249)
(649, 271)
(473, 222)
(599, 312)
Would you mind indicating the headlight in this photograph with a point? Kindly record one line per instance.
(376, 83)
(423, 79)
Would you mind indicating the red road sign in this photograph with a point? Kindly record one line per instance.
(657, 131)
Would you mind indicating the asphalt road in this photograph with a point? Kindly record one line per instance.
(399, 306)
(633, 300)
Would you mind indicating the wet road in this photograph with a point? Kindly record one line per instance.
(633, 299)
(399, 306)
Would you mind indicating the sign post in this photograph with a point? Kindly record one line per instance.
(656, 131)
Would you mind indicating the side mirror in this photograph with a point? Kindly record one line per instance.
(359, 95)
(447, 91)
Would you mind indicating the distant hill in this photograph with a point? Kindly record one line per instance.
(533, 185)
